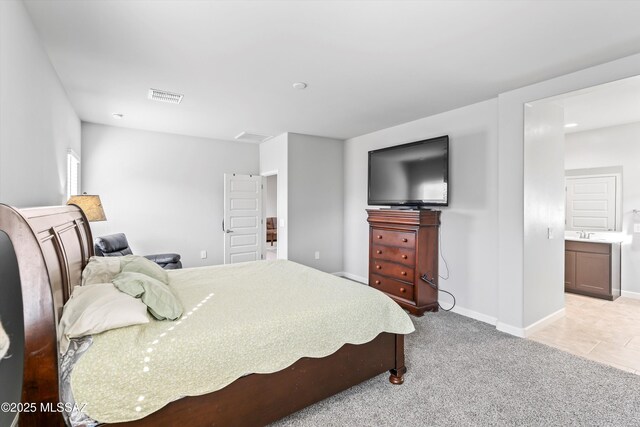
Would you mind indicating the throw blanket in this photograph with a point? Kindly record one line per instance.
(257, 317)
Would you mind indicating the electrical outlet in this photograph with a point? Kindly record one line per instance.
(636, 228)
(317, 254)
(203, 254)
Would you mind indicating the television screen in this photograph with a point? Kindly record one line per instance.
(413, 174)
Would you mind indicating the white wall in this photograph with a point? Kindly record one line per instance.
(544, 207)
(513, 276)
(615, 146)
(316, 201)
(37, 121)
(164, 191)
(469, 225)
(271, 196)
(273, 159)
(310, 184)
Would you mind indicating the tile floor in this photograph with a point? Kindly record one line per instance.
(605, 331)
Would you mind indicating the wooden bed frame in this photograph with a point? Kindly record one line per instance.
(52, 246)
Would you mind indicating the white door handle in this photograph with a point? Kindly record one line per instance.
(228, 231)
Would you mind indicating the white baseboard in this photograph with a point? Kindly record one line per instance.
(544, 322)
(351, 276)
(533, 328)
(493, 321)
(629, 294)
(511, 330)
(475, 315)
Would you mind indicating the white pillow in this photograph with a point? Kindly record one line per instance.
(97, 308)
(101, 269)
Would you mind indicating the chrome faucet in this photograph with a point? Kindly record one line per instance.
(584, 235)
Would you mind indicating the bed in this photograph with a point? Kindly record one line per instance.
(53, 245)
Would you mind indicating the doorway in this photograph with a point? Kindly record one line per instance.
(586, 204)
(271, 217)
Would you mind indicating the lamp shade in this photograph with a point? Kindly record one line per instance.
(90, 205)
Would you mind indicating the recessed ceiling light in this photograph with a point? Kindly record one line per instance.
(571, 125)
(299, 85)
(117, 116)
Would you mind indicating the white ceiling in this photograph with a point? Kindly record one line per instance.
(369, 64)
(611, 104)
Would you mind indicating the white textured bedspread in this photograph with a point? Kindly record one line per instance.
(257, 317)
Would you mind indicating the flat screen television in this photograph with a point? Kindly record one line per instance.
(412, 175)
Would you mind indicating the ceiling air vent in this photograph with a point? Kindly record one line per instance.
(164, 96)
(252, 137)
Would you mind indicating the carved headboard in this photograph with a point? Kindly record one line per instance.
(52, 245)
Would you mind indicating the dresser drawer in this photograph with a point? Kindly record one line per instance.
(394, 253)
(391, 286)
(393, 238)
(390, 269)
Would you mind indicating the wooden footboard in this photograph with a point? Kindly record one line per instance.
(258, 399)
(52, 246)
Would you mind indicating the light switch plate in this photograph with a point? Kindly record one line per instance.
(203, 254)
(636, 228)
(549, 233)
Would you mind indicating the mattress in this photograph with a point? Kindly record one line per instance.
(257, 317)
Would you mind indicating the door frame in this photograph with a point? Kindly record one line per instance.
(264, 213)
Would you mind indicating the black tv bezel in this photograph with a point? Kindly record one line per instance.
(410, 203)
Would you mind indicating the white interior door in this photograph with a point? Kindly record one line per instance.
(242, 225)
(591, 203)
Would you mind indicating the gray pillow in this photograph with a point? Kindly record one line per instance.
(158, 297)
(100, 270)
(139, 264)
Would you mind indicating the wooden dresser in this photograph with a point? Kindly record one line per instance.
(403, 246)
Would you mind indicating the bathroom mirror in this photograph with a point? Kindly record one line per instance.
(594, 199)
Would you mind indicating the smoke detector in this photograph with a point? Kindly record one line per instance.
(252, 137)
(164, 96)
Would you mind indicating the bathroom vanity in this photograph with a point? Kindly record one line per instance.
(592, 268)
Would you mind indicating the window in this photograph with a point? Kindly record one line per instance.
(73, 174)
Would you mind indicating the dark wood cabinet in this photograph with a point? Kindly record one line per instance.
(592, 269)
(569, 270)
(403, 247)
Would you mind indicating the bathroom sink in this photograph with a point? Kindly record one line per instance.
(595, 239)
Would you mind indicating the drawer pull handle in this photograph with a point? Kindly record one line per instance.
(405, 240)
(404, 273)
(377, 282)
(379, 236)
(378, 252)
(403, 290)
(404, 257)
(379, 267)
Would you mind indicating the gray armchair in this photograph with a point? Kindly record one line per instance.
(117, 245)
